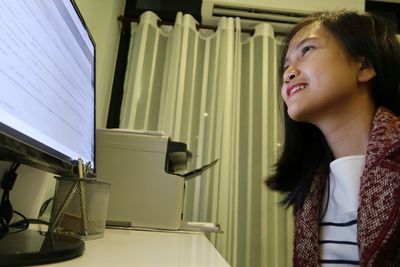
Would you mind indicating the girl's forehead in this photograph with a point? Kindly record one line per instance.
(304, 33)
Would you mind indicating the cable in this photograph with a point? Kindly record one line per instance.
(44, 206)
(21, 225)
(6, 209)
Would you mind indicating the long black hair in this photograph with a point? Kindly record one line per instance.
(306, 152)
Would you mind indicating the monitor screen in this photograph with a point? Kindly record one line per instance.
(47, 85)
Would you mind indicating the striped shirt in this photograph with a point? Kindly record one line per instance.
(338, 228)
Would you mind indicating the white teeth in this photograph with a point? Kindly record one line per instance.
(297, 88)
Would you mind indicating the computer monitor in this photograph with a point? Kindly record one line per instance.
(47, 88)
(47, 85)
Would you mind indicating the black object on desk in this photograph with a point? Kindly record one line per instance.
(32, 247)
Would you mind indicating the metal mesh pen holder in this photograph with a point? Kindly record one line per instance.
(80, 207)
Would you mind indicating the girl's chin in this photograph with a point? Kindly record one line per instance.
(295, 114)
(299, 115)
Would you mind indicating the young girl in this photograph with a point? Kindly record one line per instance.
(340, 166)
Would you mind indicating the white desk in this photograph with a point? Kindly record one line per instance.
(147, 249)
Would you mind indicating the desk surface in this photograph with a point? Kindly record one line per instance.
(146, 248)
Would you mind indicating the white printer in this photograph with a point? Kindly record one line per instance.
(146, 171)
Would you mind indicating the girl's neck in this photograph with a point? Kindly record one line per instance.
(348, 133)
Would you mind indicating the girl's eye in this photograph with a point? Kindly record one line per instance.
(306, 49)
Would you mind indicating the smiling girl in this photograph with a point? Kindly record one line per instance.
(340, 166)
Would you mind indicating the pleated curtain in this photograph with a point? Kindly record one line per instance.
(217, 92)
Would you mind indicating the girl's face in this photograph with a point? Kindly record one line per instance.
(319, 78)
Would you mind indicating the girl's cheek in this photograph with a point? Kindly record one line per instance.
(283, 94)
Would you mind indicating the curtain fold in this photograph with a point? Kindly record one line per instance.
(217, 92)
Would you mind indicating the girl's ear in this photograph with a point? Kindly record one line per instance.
(366, 71)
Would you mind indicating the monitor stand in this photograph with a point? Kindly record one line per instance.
(33, 247)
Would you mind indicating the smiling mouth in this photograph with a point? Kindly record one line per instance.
(294, 89)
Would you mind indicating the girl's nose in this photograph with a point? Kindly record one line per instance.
(290, 74)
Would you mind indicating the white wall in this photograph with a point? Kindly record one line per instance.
(34, 186)
(101, 18)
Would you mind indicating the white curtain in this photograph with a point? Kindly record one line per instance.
(217, 92)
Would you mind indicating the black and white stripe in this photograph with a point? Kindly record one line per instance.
(338, 228)
(337, 244)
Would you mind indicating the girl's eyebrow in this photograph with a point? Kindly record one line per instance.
(300, 44)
